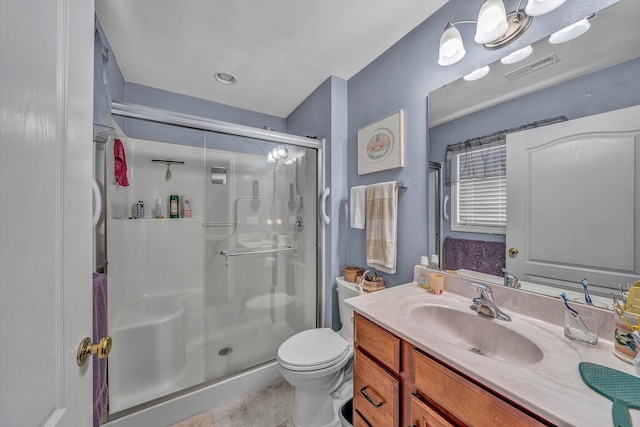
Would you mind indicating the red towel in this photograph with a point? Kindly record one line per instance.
(120, 169)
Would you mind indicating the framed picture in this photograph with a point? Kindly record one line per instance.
(381, 144)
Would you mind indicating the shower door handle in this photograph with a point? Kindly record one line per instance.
(325, 217)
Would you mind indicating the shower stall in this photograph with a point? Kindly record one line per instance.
(197, 299)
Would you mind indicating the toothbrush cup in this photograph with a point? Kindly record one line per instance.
(585, 333)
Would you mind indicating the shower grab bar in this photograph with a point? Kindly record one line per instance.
(228, 254)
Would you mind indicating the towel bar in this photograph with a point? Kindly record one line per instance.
(228, 254)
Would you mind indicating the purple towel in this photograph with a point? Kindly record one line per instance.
(476, 255)
(100, 390)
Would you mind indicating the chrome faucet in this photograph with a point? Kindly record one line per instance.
(484, 303)
(510, 281)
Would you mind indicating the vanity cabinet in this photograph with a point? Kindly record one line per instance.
(376, 377)
(469, 403)
(393, 380)
(422, 415)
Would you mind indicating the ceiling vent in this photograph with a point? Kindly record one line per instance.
(534, 66)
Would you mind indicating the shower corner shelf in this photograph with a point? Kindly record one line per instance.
(101, 133)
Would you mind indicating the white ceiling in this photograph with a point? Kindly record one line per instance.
(280, 51)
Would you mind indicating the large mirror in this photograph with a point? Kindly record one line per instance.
(595, 73)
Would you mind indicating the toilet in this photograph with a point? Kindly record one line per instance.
(271, 305)
(315, 362)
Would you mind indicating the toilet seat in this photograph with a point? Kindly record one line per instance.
(312, 350)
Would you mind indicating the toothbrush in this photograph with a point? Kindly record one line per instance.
(622, 292)
(587, 297)
(575, 314)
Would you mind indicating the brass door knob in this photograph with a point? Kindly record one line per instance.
(513, 251)
(86, 349)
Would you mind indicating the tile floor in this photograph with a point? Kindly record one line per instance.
(270, 407)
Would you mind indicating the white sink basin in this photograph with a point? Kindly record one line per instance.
(479, 334)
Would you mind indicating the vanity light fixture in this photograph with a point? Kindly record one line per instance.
(277, 153)
(571, 32)
(495, 28)
(477, 74)
(225, 78)
(517, 56)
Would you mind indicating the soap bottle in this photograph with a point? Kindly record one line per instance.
(423, 274)
(159, 210)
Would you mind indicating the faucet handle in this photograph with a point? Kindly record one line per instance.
(482, 288)
(510, 280)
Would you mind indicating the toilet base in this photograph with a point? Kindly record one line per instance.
(315, 408)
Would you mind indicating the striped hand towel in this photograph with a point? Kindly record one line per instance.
(381, 226)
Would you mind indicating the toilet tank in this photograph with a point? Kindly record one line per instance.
(346, 290)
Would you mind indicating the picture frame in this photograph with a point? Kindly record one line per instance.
(381, 144)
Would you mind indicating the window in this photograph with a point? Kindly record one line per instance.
(479, 189)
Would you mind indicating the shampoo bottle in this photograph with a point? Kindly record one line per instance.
(173, 206)
(186, 206)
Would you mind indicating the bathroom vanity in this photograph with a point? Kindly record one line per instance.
(427, 360)
(423, 390)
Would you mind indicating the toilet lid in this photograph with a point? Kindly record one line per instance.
(313, 349)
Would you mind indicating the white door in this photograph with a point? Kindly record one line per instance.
(46, 92)
(573, 201)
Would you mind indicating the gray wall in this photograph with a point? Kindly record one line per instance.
(606, 90)
(401, 78)
(324, 114)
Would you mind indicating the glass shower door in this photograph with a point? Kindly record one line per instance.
(260, 234)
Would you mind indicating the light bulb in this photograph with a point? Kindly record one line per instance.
(451, 47)
(282, 152)
(517, 56)
(571, 32)
(540, 7)
(477, 74)
(492, 22)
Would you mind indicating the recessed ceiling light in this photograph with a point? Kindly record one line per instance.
(477, 74)
(225, 78)
(517, 56)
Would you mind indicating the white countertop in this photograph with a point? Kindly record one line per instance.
(551, 388)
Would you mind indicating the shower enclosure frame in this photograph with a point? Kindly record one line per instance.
(205, 124)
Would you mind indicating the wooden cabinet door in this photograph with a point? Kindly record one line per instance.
(423, 416)
(376, 393)
(471, 404)
(379, 343)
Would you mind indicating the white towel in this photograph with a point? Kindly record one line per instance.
(382, 226)
(357, 206)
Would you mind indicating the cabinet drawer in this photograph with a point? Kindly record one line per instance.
(471, 404)
(379, 343)
(358, 421)
(376, 393)
(424, 416)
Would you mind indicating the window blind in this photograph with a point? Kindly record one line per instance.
(482, 186)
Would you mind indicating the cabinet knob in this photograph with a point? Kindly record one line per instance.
(513, 252)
